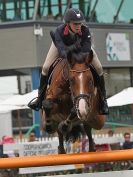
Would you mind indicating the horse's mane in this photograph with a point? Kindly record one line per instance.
(79, 57)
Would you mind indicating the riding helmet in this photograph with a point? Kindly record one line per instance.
(74, 15)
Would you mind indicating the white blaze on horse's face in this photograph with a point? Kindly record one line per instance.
(83, 109)
(82, 105)
(81, 81)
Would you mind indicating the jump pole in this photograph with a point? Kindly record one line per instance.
(65, 159)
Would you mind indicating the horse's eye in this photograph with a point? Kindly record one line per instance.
(91, 83)
(72, 79)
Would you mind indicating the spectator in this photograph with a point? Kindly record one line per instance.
(110, 133)
(32, 137)
(7, 140)
(113, 146)
(127, 141)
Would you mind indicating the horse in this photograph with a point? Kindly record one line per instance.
(71, 106)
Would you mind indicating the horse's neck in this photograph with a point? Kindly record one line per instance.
(57, 68)
(59, 80)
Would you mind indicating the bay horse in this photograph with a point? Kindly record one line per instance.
(72, 102)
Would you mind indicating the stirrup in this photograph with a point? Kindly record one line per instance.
(34, 104)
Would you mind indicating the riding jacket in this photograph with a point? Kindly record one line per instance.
(63, 39)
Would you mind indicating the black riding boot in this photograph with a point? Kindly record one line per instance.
(37, 104)
(104, 107)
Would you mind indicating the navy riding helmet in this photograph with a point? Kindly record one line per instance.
(73, 15)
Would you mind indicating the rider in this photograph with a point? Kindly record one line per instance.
(72, 34)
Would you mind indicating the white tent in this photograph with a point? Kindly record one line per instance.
(11, 100)
(124, 97)
(20, 100)
(8, 108)
(16, 102)
(25, 99)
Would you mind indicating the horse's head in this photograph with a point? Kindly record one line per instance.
(81, 82)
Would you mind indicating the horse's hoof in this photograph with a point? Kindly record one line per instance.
(61, 150)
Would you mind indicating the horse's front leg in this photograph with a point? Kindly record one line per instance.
(48, 106)
(61, 149)
(89, 135)
(66, 126)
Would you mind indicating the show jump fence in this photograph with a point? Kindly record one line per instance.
(65, 159)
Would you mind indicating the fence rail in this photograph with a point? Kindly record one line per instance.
(65, 159)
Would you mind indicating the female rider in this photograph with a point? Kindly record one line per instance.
(72, 34)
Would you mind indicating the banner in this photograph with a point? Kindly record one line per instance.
(118, 47)
(41, 148)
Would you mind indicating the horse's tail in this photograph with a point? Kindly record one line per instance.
(74, 134)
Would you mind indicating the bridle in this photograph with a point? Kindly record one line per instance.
(75, 99)
(79, 71)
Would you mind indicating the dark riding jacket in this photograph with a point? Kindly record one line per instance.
(64, 39)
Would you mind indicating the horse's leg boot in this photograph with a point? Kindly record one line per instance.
(37, 104)
(104, 106)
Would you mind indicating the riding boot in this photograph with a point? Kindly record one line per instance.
(37, 104)
(104, 106)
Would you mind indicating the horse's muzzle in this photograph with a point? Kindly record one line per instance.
(83, 106)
